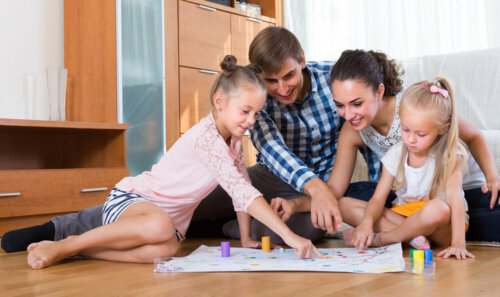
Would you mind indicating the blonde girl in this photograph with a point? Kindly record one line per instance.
(426, 170)
(147, 215)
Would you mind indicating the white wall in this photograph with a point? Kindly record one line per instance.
(32, 39)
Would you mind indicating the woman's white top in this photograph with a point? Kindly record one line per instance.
(379, 143)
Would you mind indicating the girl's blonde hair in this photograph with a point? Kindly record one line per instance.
(436, 97)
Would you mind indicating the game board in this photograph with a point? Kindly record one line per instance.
(208, 259)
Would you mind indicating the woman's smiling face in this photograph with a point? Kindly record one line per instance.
(356, 102)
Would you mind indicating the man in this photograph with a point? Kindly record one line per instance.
(295, 134)
(296, 137)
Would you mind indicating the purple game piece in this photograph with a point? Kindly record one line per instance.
(225, 249)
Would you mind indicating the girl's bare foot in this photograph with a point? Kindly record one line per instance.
(46, 253)
(35, 244)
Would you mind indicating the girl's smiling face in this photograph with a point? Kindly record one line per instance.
(237, 112)
(356, 102)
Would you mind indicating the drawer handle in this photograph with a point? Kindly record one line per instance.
(208, 71)
(10, 194)
(206, 7)
(254, 20)
(93, 190)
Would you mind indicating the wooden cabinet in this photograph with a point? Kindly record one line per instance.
(198, 34)
(206, 33)
(204, 36)
(195, 86)
(243, 30)
(90, 57)
(49, 168)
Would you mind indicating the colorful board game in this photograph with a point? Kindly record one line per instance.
(208, 259)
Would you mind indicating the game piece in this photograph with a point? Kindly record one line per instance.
(225, 249)
(418, 256)
(266, 244)
(411, 253)
(428, 256)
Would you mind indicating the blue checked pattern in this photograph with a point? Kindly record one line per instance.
(299, 141)
(374, 164)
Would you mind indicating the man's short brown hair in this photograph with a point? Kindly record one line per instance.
(272, 47)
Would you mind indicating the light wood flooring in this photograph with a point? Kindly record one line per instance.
(85, 277)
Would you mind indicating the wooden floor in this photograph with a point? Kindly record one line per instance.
(85, 277)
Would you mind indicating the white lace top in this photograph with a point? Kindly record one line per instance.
(190, 170)
(378, 143)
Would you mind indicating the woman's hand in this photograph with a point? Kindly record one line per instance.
(284, 208)
(493, 186)
(460, 252)
(363, 235)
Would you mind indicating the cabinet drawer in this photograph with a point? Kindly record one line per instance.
(195, 87)
(243, 30)
(204, 36)
(55, 190)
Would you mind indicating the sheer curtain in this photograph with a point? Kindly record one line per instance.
(400, 28)
(140, 77)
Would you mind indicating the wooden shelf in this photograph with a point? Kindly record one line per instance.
(29, 144)
(268, 9)
(53, 167)
(61, 124)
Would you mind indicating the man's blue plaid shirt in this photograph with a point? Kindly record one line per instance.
(299, 141)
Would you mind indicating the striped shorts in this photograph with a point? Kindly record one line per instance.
(116, 204)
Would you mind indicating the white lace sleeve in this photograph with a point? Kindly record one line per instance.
(214, 153)
(242, 168)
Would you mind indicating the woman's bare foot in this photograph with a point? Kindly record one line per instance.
(347, 236)
(46, 253)
(35, 244)
(420, 242)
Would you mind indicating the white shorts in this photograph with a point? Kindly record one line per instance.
(116, 204)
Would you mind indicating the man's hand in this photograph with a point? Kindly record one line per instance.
(325, 213)
(284, 208)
